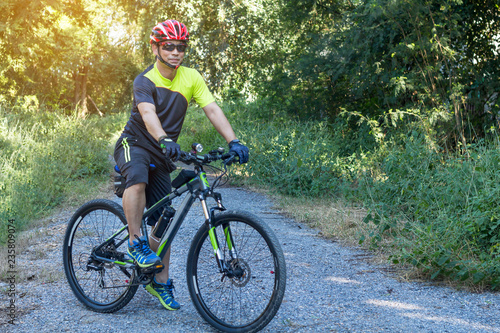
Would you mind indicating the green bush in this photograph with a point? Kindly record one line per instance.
(45, 155)
(442, 212)
(436, 211)
(294, 158)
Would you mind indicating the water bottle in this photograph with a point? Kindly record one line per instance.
(163, 222)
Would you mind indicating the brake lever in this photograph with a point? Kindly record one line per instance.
(231, 159)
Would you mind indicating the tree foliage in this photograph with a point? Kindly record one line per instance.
(311, 58)
(227, 38)
(61, 51)
(432, 57)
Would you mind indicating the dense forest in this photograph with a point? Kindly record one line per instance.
(314, 59)
(392, 105)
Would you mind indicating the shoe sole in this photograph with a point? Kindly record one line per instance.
(153, 292)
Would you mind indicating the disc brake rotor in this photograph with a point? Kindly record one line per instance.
(241, 271)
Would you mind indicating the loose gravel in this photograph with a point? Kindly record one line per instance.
(330, 288)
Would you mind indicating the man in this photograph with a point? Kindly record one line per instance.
(161, 97)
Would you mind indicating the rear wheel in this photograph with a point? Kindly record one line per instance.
(99, 285)
(246, 297)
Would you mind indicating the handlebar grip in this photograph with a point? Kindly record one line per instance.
(226, 156)
(230, 157)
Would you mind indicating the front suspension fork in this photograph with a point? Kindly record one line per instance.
(209, 220)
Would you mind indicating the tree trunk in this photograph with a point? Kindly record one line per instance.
(458, 121)
(76, 79)
(95, 106)
(83, 92)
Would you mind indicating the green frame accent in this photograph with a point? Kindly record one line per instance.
(197, 189)
(160, 248)
(213, 239)
(227, 233)
(203, 177)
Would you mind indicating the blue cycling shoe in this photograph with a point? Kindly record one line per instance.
(164, 292)
(142, 254)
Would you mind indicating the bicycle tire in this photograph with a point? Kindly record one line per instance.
(99, 290)
(247, 304)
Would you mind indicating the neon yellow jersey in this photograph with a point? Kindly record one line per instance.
(171, 99)
(188, 82)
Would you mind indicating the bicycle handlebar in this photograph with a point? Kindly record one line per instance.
(213, 155)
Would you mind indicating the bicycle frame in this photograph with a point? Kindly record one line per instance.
(198, 188)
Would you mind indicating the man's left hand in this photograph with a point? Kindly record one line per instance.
(241, 150)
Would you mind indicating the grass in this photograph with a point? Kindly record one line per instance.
(334, 217)
(405, 200)
(49, 158)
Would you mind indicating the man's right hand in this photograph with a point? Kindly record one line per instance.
(170, 148)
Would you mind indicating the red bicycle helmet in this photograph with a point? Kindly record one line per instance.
(170, 29)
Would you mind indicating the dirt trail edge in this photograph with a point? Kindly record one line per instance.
(330, 288)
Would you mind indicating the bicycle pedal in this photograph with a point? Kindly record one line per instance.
(146, 275)
(153, 269)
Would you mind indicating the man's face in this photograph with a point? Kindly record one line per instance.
(169, 51)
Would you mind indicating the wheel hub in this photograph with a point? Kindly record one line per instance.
(239, 272)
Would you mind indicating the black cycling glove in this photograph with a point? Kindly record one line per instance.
(170, 148)
(241, 150)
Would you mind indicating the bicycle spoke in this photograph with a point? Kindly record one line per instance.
(236, 301)
(101, 286)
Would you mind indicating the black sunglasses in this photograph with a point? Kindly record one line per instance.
(170, 47)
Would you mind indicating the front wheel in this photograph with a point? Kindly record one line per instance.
(247, 294)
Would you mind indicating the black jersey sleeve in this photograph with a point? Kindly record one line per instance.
(144, 90)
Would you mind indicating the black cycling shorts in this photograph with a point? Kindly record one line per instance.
(135, 163)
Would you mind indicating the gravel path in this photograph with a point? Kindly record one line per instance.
(330, 288)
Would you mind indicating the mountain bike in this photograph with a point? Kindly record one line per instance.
(235, 271)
